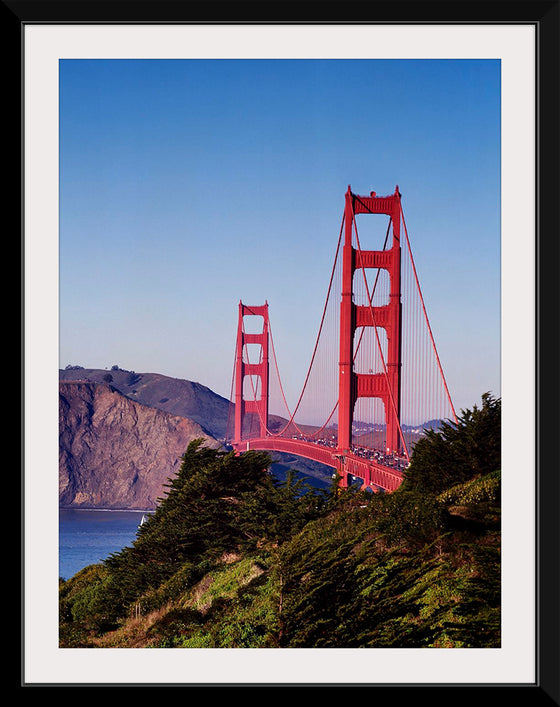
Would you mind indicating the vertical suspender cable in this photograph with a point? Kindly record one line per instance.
(426, 317)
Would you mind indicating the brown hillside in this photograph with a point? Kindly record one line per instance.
(115, 452)
(173, 395)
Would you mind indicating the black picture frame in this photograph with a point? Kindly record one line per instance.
(545, 17)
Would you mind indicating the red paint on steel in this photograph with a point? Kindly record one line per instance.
(386, 385)
(258, 370)
(373, 474)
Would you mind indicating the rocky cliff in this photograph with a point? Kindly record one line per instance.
(173, 395)
(116, 452)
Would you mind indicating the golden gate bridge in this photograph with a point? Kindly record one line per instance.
(375, 380)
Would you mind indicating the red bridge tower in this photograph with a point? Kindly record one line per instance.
(258, 372)
(387, 383)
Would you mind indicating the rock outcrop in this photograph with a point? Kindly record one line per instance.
(116, 452)
(173, 395)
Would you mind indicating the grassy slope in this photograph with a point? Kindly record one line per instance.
(353, 578)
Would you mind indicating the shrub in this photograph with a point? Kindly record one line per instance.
(458, 451)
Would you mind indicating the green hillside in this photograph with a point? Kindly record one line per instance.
(234, 558)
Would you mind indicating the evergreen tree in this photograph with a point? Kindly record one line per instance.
(218, 504)
(201, 518)
(458, 451)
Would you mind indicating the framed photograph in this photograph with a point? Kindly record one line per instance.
(141, 233)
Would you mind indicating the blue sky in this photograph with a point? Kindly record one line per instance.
(188, 185)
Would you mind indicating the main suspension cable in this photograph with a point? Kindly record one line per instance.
(292, 415)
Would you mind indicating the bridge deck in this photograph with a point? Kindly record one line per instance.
(372, 473)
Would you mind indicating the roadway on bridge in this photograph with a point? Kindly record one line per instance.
(372, 473)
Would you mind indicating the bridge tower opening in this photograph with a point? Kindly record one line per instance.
(386, 384)
(251, 399)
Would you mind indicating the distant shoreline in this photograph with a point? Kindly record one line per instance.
(108, 510)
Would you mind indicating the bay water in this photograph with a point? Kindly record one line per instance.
(87, 537)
